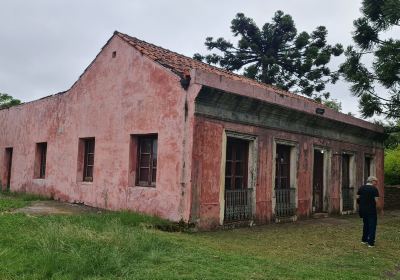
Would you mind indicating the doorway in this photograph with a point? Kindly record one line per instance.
(285, 178)
(369, 167)
(238, 195)
(318, 182)
(9, 154)
(348, 179)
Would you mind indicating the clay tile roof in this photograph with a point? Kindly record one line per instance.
(182, 65)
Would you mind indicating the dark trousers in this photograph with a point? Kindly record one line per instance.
(369, 229)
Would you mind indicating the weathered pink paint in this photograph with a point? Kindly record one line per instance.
(114, 98)
(132, 94)
(206, 169)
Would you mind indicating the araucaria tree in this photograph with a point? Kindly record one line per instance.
(277, 54)
(7, 101)
(376, 84)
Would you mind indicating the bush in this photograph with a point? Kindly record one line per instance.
(392, 166)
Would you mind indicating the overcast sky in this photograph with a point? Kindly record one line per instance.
(46, 44)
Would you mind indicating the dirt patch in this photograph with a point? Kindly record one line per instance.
(51, 207)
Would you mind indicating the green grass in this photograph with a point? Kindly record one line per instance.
(126, 246)
(10, 201)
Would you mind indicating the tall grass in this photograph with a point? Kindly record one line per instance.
(129, 246)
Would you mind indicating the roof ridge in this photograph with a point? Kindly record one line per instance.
(151, 44)
(133, 41)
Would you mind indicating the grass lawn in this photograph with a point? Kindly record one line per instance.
(125, 246)
(10, 201)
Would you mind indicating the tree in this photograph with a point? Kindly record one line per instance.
(334, 104)
(378, 16)
(392, 166)
(7, 101)
(276, 54)
(392, 132)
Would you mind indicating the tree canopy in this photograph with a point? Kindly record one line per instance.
(370, 38)
(277, 54)
(334, 104)
(7, 101)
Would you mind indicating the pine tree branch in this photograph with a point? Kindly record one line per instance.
(379, 97)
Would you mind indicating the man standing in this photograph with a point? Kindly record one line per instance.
(367, 196)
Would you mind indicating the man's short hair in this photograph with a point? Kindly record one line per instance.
(371, 179)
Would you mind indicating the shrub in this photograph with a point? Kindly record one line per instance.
(392, 166)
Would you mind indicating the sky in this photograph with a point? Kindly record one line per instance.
(45, 45)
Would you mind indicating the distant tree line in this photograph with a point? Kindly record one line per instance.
(7, 101)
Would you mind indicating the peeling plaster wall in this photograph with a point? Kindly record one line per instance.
(132, 95)
(113, 99)
(207, 172)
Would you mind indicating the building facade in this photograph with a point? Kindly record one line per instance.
(149, 130)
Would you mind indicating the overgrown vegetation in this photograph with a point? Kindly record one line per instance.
(128, 246)
(392, 166)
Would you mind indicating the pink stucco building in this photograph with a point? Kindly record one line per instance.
(149, 130)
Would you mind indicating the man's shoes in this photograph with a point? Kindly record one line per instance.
(371, 246)
(364, 242)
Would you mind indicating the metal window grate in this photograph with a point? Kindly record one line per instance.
(348, 199)
(238, 205)
(285, 202)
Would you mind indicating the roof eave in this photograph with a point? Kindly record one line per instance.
(224, 83)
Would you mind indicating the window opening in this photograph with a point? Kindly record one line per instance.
(147, 160)
(88, 164)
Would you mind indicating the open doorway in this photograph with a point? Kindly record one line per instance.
(237, 192)
(348, 181)
(318, 181)
(285, 180)
(369, 167)
(238, 177)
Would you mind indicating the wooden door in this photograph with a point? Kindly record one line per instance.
(237, 152)
(318, 181)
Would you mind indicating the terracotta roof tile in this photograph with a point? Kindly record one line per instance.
(181, 65)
